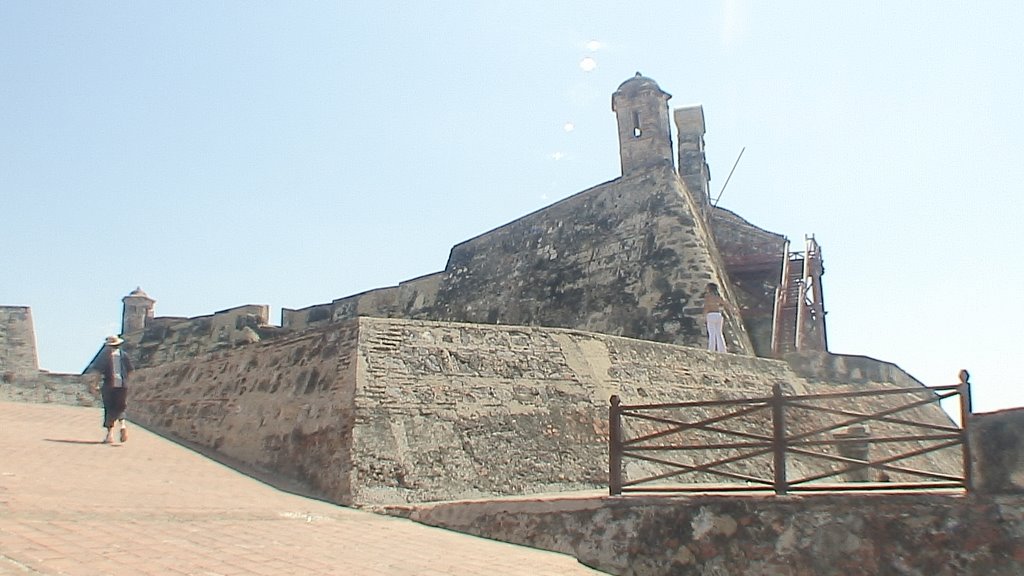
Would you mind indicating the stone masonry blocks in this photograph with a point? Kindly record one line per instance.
(384, 411)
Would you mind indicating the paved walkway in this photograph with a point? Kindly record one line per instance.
(72, 506)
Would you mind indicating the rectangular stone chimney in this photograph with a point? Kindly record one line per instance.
(693, 168)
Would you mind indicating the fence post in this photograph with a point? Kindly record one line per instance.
(615, 447)
(779, 439)
(964, 389)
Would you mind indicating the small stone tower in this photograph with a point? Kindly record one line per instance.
(645, 138)
(138, 309)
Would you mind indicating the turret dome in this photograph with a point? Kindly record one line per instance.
(637, 84)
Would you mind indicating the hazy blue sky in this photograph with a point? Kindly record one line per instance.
(227, 153)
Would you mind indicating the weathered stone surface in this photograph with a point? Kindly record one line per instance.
(284, 407)
(693, 167)
(846, 368)
(17, 341)
(49, 388)
(753, 261)
(625, 258)
(375, 411)
(921, 535)
(997, 448)
(641, 112)
(21, 380)
(630, 257)
(166, 339)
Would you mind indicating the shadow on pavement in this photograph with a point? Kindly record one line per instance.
(63, 441)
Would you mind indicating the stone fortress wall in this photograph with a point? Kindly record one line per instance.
(430, 389)
(625, 258)
(385, 411)
(492, 378)
(163, 339)
(629, 257)
(346, 412)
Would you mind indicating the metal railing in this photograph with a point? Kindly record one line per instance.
(770, 443)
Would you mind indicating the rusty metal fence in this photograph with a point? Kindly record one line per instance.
(792, 443)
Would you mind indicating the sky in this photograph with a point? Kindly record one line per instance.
(221, 153)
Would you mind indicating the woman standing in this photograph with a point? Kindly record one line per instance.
(713, 305)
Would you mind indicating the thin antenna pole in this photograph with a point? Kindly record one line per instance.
(736, 163)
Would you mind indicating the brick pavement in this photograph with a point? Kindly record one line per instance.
(72, 506)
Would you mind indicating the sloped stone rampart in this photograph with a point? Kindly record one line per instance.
(284, 407)
(627, 257)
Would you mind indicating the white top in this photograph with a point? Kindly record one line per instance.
(117, 368)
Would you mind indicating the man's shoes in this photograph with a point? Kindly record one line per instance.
(124, 434)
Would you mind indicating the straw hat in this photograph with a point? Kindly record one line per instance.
(114, 341)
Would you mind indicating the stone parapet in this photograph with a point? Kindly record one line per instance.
(167, 339)
(48, 388)
(829, 368)
(827, 535)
